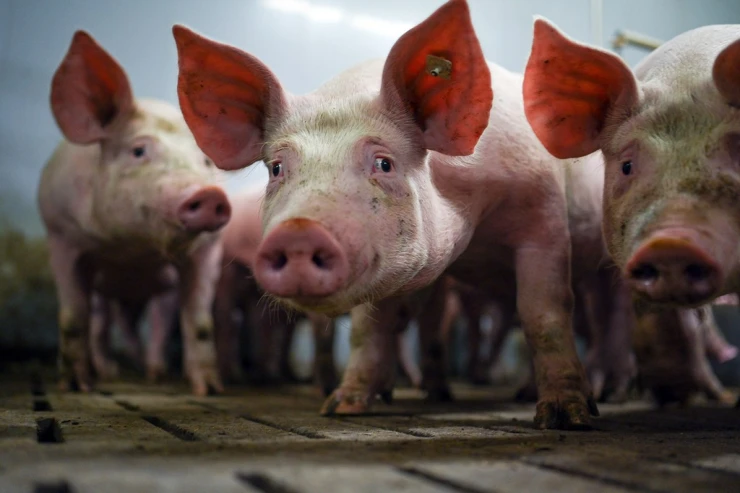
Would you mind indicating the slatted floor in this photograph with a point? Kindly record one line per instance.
(131, 437)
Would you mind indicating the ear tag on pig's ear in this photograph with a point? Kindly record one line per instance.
(439, 67)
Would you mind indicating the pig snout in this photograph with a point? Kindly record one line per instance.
(207, 209)
(301, 258)
(673, 266)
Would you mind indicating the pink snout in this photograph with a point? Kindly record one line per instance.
(207, 209)
(300, 258)
(674, 268)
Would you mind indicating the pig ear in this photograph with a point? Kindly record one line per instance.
(227, 98)
(572, 91)
(726, 73)
(437, 74)
(90, 92)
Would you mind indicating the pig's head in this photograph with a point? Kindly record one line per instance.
(347, 206)
(152, 182)
(672, 160)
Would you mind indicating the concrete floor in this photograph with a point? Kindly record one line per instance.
(131, 437)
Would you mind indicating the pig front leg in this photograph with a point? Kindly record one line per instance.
(324, 372)
(162, 313)
(226, 329)
(199, 277)
(73, 292)
(435, 322)
(100, 327)
(545, 303)
(371, 369)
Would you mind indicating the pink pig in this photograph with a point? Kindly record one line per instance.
(125, 196)
(385, 178)
(669, 138)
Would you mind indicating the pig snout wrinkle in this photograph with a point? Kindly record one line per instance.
(301, 258)
(208, 209)
(670, 269)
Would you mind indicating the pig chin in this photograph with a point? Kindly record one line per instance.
(682, 265)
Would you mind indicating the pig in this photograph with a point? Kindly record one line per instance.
(388, 176)
(275, 326)
(126, 195)
(668, 138)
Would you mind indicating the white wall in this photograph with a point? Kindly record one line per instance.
(303, 50)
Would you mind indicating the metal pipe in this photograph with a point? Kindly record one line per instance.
(624, 37)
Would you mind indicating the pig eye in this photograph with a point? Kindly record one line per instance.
(383, 164)
(276, 169)
(138, 151)
(626, 168)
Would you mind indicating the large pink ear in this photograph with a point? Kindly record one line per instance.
(572, 90)
(227, 98)
(726, 73)
(436, 72)
(89, 92)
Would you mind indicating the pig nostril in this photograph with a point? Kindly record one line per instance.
(194, 206)
(220, 210)
(697, 272)
(645, 272)
(280, 261)
(317, 260)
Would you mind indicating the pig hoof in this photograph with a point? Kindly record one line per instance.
(75, 385)
(573, 414)
(206, 383)
(441, 394)
(345, 403)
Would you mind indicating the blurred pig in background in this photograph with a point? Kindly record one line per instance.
(124, 198)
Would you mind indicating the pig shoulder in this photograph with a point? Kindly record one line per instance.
(65, 189)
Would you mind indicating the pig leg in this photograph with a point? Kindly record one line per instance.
(499, 333)
(408, 365)
(100, 326)
(545, 303)
(617, 349)
(435, 321)
(226, 331)
(716, 344)
(701, 371)
(128, 316)
(371, 368)
(324, 372)
(162, 314)
(73, 291)
(285, 344)
(199, 277)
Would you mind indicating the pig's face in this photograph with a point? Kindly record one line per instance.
(670, 207)
(346, 211)
(351, 171)
(147, 172)
(672, 160)
(152, 183)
